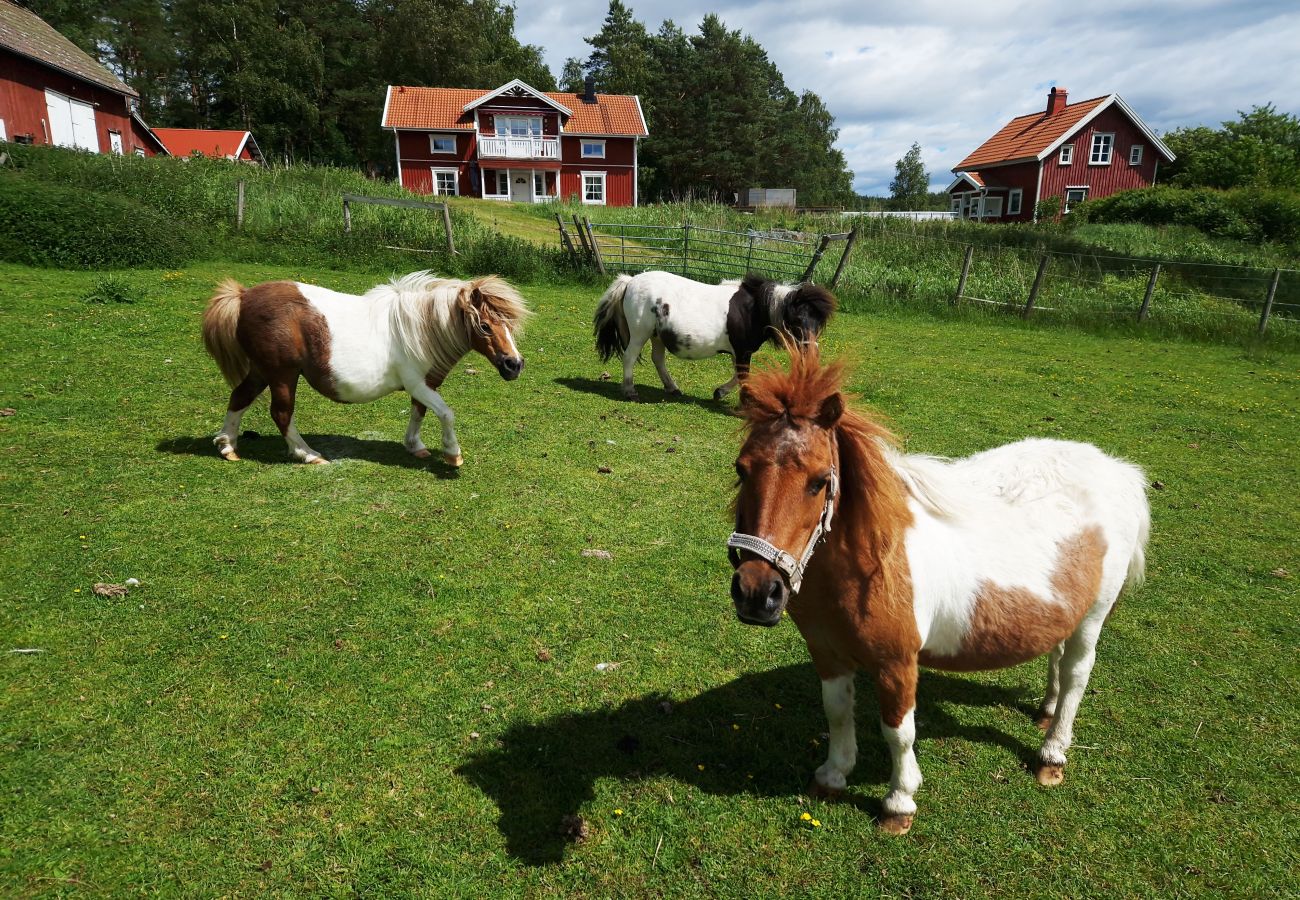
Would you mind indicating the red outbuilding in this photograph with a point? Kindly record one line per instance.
(1072, 151)
(53, 92)
(516, 143)
(216, 143)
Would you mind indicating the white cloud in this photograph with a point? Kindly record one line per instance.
(896, 72)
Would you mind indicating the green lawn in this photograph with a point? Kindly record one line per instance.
(331, 680)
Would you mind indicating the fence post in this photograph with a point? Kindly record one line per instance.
(686, 250)
(622, 247)
(446, 222)
(595, 248)
(239, 208)
(347, 215)
(816, 258)
(582, 237)
(965, 270)
(1151, 289)
(1268, 301)
(566, 241)
(749, 254)
(848, 248)
(1038, 282)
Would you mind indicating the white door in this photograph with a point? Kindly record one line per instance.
(115, 142)
(83, 126)
(521, 186)
(72, 123)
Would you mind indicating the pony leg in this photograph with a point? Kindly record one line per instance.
(629, 361)
(658, 353)
(1047, 709)
(896, 686)
(1080, 651)
(837, 699)
(740, 374)
(433, 400)
(282, 396)
(412, 440)
(241, 398)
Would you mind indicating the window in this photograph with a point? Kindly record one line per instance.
(442, 143)
(139, 151)
(4, 135)
(993, 207)
(593, 149)
(1013, 202)
(444, 182)
(519, 126)
(1074, 195)
(1135, 155)
(539, 184)
(593, 188)
(1067, 154)
(1102, 144)
(956, 205)
(115, 142)
(503, 183)
(973, 209)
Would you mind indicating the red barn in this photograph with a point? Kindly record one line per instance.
(516, 143)
(53, 92)
(211, 142)
(1074, 151)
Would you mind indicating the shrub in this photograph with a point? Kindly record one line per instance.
(45, 224)
(112, 289)
(1047, 209)
(1250, 214)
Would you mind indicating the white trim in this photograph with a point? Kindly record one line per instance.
(582, 148)
(988, 213)
(388, 95)
(1079, 125)
(604, 188)
(1065, 196)
(1146, 132)
(1140, 150)
(1116, 100)
(1038, 193)
(4, 135)
(1060, 156)
(1110, 148)
(441, 135)
(120, 149)
(239, 151)
(645, 129)
(1155, 170)
(962, 176)
(1018, 195)
(514, 83)
(454, 173)
(636, 170)
(397, 152)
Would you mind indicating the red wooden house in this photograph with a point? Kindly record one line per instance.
(1074, 151)
(53, 92)
(516, 143)
(211, 142)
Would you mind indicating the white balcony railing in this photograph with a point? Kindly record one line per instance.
(519, 147)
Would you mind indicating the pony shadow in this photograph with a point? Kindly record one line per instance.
(270, 450)
(757, 735)
(613, 390)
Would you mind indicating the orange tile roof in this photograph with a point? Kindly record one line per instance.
(1024, 137)
(442, 109)
(209, 142)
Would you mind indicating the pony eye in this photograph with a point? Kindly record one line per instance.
(484, 327)
(740, 472)
(815, 486)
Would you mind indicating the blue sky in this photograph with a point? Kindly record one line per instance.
(949, 75)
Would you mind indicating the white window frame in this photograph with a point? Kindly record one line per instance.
(1015, 201)
(956, 204)
(974, 206)
(139, 151)
(604, 193)
(1067, 154)
(500, 125)
(586, 142)
(1102, 140)
(503, 175)
(1135, 154)
(115, 144)
(4, 134)
(433, 146)
(455, 182)
(1065, 199)
(539, 183)
(992, 207)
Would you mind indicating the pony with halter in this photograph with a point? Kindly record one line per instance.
(695, 321)
(908, 560)
(405, 335)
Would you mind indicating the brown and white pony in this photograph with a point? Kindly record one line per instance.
(887, 561)
(404, 335)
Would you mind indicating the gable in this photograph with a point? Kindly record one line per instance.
(24, 33)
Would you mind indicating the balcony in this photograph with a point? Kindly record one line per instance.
(518, 148)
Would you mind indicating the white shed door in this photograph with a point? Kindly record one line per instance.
(72, 123)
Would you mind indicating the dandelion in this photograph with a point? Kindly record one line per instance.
(735, 727)
(805, 817)
(777, 705)
(618, 812)
(700, 766)
(816, 823)
(76, 590)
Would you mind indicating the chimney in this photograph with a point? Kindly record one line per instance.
(589, 90)
(1056, 100)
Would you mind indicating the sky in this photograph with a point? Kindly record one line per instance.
(948, 75)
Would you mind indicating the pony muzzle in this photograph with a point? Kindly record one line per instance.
(759, 593)
(510, 366)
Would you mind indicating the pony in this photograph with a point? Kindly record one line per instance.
(407, 335)
(696, 321)
(967, 564)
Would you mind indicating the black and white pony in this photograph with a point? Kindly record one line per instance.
(694, 321)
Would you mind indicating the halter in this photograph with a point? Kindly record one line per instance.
(792, 568)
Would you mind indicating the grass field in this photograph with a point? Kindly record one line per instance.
(379, 678)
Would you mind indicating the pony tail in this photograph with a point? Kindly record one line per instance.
(611, 322)
(219, 322)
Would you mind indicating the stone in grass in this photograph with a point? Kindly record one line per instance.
(8, 411)
(544, 655)
(574, 828)
(604, 470)
(109, 590)
(598, 554)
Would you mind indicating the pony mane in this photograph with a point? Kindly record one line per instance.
(873, 494)
(432, 318)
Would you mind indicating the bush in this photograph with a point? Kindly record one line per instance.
(45, 224)
(1250, 214)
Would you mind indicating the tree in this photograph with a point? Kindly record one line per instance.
(620, 55)
(911, 185)
(1260, 149)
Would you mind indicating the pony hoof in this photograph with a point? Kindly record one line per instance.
(719, 393)
(317, 461)
(822, 792)
(455, 460)
(632, 398)
(897, 824)
(1049, 775)
(1043, 722)
(422, 453)
(230, 454)
(676, 392)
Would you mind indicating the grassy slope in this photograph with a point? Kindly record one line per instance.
(289, 701)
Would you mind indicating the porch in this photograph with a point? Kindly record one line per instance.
(521, 185)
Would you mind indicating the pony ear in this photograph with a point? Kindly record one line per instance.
(828, 415)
